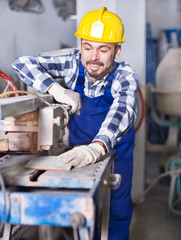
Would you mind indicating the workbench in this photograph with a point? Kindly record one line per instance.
(56, 198)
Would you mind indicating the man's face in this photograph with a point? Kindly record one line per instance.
(97, 57)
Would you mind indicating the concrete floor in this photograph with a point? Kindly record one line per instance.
(151, 218)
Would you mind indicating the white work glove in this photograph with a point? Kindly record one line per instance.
(83, 155)
(69, 97)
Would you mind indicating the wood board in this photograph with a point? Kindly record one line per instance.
(48, 163)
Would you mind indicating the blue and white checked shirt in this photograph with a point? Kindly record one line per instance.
(41, 72)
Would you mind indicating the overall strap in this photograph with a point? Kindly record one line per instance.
(80, 80)
(111, 76)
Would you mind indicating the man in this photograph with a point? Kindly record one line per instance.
(102, 96)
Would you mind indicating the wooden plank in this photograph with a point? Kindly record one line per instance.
(47, 163)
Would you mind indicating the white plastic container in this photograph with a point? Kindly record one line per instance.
(168, 81)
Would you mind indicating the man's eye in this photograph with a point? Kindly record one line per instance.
(87, 49)
(103, 50)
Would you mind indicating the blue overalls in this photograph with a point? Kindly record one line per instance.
(82, 130)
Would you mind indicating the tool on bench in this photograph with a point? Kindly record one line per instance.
(30, 130)
(27, 124)
(33, 124)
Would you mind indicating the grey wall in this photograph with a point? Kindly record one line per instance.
(24, 33)
(133, 50)
(163, 14)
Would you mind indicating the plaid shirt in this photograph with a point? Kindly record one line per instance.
(42, 71)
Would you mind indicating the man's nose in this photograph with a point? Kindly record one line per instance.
(95, 55)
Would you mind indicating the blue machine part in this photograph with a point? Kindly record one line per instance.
(80, 191)
(150, 57)
(169, 34)
(46, 208)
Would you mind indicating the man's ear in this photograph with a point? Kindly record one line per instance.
(118, 50)
(80, 45)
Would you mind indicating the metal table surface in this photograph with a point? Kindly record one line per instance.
(22, 104)
(56, 198)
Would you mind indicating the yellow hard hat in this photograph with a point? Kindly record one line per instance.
(102, 26)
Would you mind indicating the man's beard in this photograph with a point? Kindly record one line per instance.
(92, 73)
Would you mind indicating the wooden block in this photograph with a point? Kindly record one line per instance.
(47, 163)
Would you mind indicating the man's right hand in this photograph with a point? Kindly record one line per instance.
(67, 96)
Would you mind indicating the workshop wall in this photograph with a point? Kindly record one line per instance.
(133, 51)
(25, 33)
(163, 14)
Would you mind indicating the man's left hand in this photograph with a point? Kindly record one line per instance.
(83, 155)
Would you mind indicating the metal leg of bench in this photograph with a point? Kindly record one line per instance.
(7, 231)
